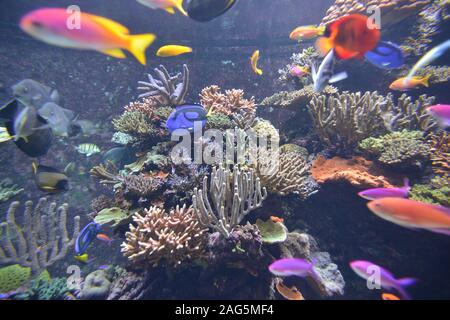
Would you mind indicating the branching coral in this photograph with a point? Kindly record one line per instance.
(161, 238)
(41, 240)
(141, 185)
(164, 89)
(135, 123)
(342, 120)
(151, 108)
(437, 191)
(8, 190)
(440, 153)
(402, 149)
(226, 103)
(357, 171)
(231, 195)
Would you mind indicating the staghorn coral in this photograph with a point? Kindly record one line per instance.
(436, 191)
(357, 171)
(440, 153)
(164, 89)
(343, 120)
(8, 190)
(41, 240)
(226, 103)
(392, 11)
(161, 238)
(231, 195)
(401, 149)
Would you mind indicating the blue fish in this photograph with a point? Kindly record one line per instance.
(85, 238)
(185, 116)
(386, 55)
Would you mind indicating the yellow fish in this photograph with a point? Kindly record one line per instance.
(307, 32)
(403, 84)
(4, 135)
(167, 5)
(254, 62)
(172, 51)
(84, 258)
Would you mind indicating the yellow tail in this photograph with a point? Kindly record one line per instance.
(138, 44)
(426, 81)
(179, 6)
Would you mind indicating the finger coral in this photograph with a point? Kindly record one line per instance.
(8, 190)
(357, 171)
(226, 103)
(41, 240)
(161, 238)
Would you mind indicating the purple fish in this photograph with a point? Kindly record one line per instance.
(441, 112)
(379, 193)
(104, 267)
(293, 267)
(368, 270)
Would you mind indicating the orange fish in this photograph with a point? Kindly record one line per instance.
(92, 32)
(350, 36)
(412, 214)
(389, 296)
(403, 84)
(276, 219)
(306, 32)
(104, 237)
(288, 293)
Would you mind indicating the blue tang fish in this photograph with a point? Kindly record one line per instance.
(185, 116)
(386, 55)
(85, 238)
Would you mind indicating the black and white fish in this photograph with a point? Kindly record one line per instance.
(325, 75)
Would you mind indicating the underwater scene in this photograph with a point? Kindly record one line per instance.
(224, 150)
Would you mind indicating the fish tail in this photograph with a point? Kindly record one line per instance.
(404, 283)
(426, 81)
(138, 44)
(179, 6)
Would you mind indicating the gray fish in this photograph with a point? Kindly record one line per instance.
(58, 118)
(87, 127)
(25, 123)
(34, 93)
(325, 74)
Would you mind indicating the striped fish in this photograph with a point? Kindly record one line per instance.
(325, 74)
(88, 149)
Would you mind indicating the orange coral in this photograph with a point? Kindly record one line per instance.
(288, 293)
(227, 103)
(359, 172)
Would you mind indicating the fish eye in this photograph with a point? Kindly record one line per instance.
(37, 25)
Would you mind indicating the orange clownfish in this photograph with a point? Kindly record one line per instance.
(351, 36)
(276, 219)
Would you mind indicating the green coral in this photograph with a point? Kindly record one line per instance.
(218, 121)
(42, 289)
(437, 191)
(8, 190)
(13, 277)
(290, 147)
(116, 216)
(164, 112)
(271, 232)
(402, 148)
(134, 123)
(264, 128)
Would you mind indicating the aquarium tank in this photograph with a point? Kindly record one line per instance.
(224, 150)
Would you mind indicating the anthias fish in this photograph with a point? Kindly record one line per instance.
(379, 193)
(389, 296)
(172, 51)
(293, 267)
(254, 63)
(404, 84)
(168, 5)
(95, 33)
(368, 270)
(413, 214)
(441, 112)
(297, 71)
(350, 36)
(307, 32)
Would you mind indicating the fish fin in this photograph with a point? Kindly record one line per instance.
(170, 10)
(313, 72)
(179, 6)
(406, 185)
(406, 282)
(426, 81)
(338, 77)
(111, 25)
(34, 167)
(441, 231)
(116, 53)
(138, 45)
(55, 96)
(323, 46)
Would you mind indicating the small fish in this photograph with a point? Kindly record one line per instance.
(207, 10)
(104, 267)
(34, 93)
(172, 51)
(428, 58)
(389, 296)
(386, 55)
(288, 293)
(403, 84)
(307, 32)
(297, 71)
(86, 237)
(84, 258)
(88, 149)
(293, 267)
(168, 5)
(254, 63)
(379, 193)
(412, 214)
(95, 33)
(49, 179)
(368, 270)
(104, 237)
(276, 219)
(350, 37)
(441, 112)
(324, 75)
(4, 135)
(185, 117)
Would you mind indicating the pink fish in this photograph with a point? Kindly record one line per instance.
(293, 267)
(441, 112)
(297, 71)
(379, 193)
(372, 272)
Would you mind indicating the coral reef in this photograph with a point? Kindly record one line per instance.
(161, 238)
(226, 103)
(46, 289)
(244, 120)
(306, 58)
(41, 240)
(13, 277)
(164, 89)
(231, 195)
(218, 121)
(136, 124)
(357, 171)
(440, 153)
(8, 190)
(112, 217)
(436, 191)
(141, 185)
(439, 74)
(271, 232)
(401, 149)
(96, 286)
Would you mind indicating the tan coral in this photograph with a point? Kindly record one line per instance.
(440, 150)
(357, 171)
(226, 103)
